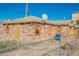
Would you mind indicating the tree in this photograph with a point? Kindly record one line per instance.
(77, 22)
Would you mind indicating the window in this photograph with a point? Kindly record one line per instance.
(7, 27)
(37, 32)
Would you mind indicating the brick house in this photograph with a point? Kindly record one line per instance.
(33, 29)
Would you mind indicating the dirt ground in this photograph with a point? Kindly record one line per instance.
(44, 49)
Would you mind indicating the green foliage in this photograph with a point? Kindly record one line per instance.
(3, 44)
(10, 45)
(77, 22)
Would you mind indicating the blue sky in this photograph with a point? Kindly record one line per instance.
(55, 11)
(11, 11)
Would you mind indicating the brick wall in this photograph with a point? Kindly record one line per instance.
(26, 32)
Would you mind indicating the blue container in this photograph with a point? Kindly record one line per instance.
(58, 37)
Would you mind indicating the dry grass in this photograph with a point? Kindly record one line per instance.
(6, 46)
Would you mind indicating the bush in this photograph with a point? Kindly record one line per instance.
(77, 22)
(5, 44)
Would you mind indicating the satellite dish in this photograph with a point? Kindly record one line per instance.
(45, 16)
(64, 17)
